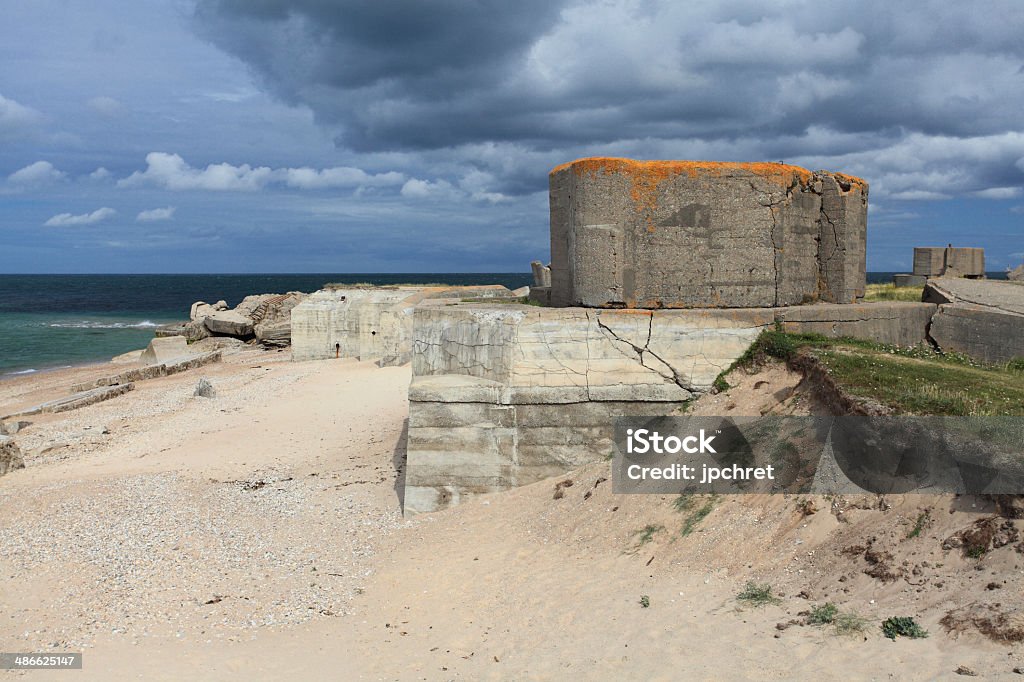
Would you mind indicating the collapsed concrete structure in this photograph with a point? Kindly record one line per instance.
(369, 322)
(682, 234)
(980, 318)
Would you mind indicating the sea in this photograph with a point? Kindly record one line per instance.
(53, 321)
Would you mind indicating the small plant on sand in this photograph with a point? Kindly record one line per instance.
(976, 551)
(850, 624)
(683, 502)
(919, 525)
(757, 595)
(903, 626)
(647, 533)
(824, 614)
(696, 517)
(645, 601)
(720, 384)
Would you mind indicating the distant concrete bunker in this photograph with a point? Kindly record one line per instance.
(685, 234)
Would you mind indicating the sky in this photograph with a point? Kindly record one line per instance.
(416, 135)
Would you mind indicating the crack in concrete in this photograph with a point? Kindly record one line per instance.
(771, 205)
(674, 378)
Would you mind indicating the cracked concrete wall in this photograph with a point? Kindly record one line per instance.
(368, 323)
(505, 395)
(668, 234)
(577, 354)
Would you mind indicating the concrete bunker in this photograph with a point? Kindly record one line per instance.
(693, 234)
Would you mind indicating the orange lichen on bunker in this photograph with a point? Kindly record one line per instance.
(647, 176)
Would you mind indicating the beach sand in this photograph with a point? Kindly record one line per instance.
(258, 535)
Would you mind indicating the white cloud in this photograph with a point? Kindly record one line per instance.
(67, 219)
(919, 195)
(100, 173)
(38, 173)
(13, 115)
(415, 188)
(170, 171)
(108, 106)
(341, 176)
(156, 214)
(998, 193)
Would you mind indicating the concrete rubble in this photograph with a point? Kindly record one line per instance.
(980, 318)
(265, 317)
(10, 455)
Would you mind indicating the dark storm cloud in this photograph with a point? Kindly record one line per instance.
(416, 75)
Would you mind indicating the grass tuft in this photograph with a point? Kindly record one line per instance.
(824, 614)
(891, 292)
(694, 519)
(647, 533)
(903, 626)
(757, 595)
(850, 624)
(922, 520)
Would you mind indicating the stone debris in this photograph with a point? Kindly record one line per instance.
(10, 455)
(204, 389)
(161, 350)
(152, 371)
(76, 400)
(12, 428)
(980, 318)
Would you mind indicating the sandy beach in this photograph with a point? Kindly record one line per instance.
(259, 534)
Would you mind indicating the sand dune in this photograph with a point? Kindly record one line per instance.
(258, 535)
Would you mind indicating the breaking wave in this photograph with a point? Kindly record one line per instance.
(91, 324)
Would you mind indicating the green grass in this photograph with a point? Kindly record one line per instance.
(824, 614)
(903, 626)
(915, 380)
(694, 519)
(850, 624)
(919, 525)
(647, 533)
(891, 292)
(645, 601)
(757, 595)
(683, 503)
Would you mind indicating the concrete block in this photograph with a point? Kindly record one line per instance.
(369, 323)
(905, 280)
(949, 261)
(988, 334)
(672, 234)
(160, 350)
(894, 323)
